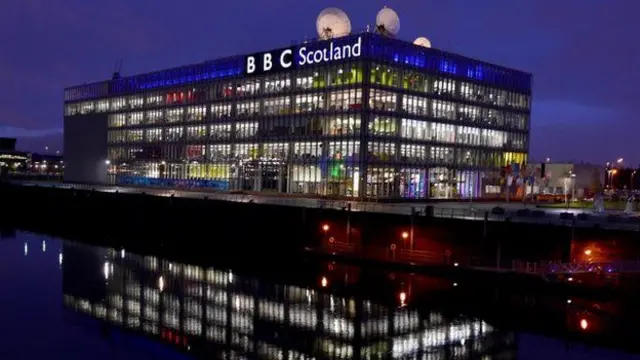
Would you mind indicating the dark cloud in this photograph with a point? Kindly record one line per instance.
(583, 54)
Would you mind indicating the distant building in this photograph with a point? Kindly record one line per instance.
(21, 162)
(561, 178)
(7, 144)
(10, 159)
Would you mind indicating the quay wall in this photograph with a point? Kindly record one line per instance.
(210, 226)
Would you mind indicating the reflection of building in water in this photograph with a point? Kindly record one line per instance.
(184, 305)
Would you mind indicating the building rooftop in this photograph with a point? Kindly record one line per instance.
(374, 47)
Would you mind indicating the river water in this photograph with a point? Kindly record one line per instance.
(75, 301)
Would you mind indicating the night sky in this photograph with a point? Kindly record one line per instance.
(583, 55)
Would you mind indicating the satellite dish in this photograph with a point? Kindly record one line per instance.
(332, 23)
(387, 22)
(422, 41)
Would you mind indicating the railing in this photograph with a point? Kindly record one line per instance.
(557, 268)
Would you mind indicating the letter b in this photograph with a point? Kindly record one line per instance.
(251, 64)
(267, 64)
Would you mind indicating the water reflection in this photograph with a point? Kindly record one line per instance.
(210, 310)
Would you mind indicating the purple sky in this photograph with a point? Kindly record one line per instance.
(583, 55)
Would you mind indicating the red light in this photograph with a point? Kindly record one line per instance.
(584, 324)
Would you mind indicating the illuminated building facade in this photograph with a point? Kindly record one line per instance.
(363, 116)
(198, 309)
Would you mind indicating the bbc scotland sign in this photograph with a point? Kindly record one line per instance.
(288, 58)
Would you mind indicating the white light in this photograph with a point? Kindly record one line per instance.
(60, 259)
(455, 264)
(568, 301)
(44, 246)
(122, 253)
(26, 249)
(161, 283)
(230, 277)
(107, 162)
(106, 270)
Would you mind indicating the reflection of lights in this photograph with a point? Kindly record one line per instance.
(161, 283)
(122, 253)
(584, 324)
(324, 282)
(230, 276)
(325, 227)
(44, 246)
(587, 252)
(106, 270)
(405, 234)
(26, 249)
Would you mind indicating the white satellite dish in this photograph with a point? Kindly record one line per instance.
(332, 23)
(422, 41)
(388, 22)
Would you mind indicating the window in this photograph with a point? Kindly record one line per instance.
(308, 152)
(196, 132)
(246, 151)
(445, 87)
(102, 105)
(309, 102)
(381, 151)
(134, 135)
(413, 153)
(414, 129)
(220, 152)
(135, 118)
(220, 111)
(117, 120)
(443, 132)
(345, 100)
(382, 100)
(277, 106)
(277, 83)
(246, 130)
(196, 113)
(174, 133)
(247, 109)
(311, 79)
(344, 125)
(153, 135)
(415, 81)
(384, 126)
(175, 115)
(153, 116)
(248, 88)
(220, 132)
(415, 105)
(384, 75)
(441, 155)
(444, 110)
(276, 151)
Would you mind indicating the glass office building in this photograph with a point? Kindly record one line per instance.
(364, 116)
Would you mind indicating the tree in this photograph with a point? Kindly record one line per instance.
(596, 184)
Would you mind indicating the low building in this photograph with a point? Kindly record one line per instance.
(577, 180)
